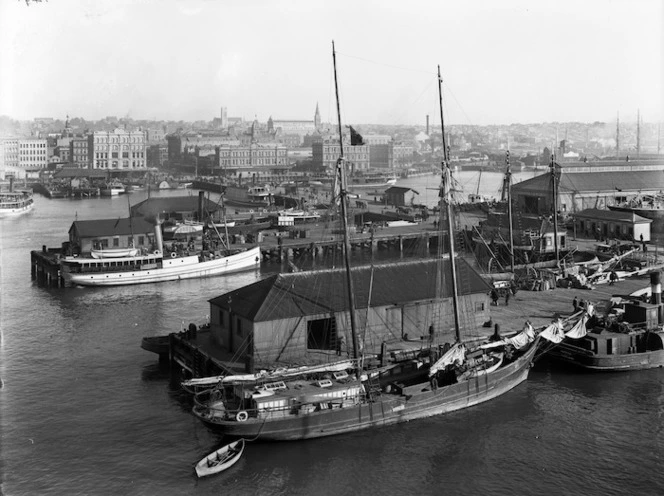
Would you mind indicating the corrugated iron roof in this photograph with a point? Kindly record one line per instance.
(285, 296)
(153, 206)
(594, 182)
(399, 189)
(111, 227)
(71, 172)
(612, 215)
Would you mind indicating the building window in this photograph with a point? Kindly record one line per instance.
(116, 242)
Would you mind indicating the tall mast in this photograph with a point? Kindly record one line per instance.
(638, 133)
(508, 186)
(343, 194)
(445, 195)
(554, 191)
(618, 136)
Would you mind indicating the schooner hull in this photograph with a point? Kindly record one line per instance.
(386, 410)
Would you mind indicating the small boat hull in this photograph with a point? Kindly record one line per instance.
(221, 459)
(114, 253)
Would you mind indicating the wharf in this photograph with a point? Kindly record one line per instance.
(197, 355)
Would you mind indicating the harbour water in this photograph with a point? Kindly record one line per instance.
(84, 410)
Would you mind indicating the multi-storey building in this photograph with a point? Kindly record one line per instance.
(189, 143)
(154, 136)
(325, 153)
(402, 154)
(157, 155)
(9, 158)
(32, 154)
(78, 153)
(120, 149)
(253, 155)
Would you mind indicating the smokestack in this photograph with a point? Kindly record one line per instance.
(656, 294)
(158, 238)
(427, 124)
(201, 198)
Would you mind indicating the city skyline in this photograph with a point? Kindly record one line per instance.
(502, 62)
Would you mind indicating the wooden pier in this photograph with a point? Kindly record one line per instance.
(45, 266)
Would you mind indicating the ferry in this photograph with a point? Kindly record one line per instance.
(15, 202)
(112, 189)
(257, 196)
(154, 267)
(139, 266)
(372, 181)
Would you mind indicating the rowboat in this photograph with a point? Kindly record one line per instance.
(114, 253)
(221, 459)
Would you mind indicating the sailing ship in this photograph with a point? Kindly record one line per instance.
(408, 387)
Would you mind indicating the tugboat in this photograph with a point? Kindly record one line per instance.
(629, 337)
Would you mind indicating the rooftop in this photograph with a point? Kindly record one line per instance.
(283, 296)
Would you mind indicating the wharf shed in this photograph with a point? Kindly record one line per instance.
(177, 208)
(582, 190)
(85, 235)
(400, 196)
(72, 173)
(304, 317)
(612, 224)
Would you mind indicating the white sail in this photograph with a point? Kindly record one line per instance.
(456, 353)
(578, 330)
(554, 332)
(525, 337)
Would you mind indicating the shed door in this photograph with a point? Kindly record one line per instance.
(415, 322)
(393, 322)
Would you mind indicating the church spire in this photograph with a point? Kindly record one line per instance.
(317, 118)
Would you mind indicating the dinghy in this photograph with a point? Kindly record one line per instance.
(220, 460)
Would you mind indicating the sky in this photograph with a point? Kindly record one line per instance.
(502, 61)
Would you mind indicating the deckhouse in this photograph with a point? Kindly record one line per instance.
(304, 317)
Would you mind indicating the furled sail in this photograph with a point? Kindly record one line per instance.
(554, 332)
(456, 353)
(271, 374)
(525, 337)
(578, 330)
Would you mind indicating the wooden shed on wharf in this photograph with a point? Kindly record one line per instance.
(304, 317)
(85, 235)
(594, 222)
(583, 190)
(400, 196)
